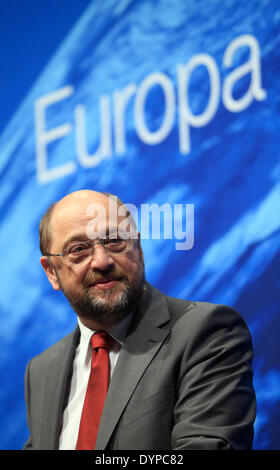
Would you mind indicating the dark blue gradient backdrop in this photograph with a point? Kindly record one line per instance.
(159, 102)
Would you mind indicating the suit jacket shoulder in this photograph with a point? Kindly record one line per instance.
(183, 380)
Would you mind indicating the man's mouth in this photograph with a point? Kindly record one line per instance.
(104, 284)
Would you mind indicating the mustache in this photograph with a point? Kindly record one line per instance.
(104, 276)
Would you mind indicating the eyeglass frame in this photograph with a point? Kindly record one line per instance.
(92, 244)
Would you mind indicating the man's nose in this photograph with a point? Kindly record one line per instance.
(101, 258)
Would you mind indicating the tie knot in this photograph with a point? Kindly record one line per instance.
(101, 340)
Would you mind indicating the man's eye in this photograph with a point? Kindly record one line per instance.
(78, 249)
(112, 240)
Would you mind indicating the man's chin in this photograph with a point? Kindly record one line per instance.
(108, 306)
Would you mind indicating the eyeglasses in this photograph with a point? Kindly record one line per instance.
(81, 253)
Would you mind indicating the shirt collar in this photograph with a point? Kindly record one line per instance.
(117, 331)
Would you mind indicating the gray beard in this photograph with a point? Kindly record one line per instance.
(104, 312)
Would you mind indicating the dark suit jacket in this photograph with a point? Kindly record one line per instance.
(183, 380)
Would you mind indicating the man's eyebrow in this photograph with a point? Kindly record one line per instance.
(75, 238)
(81, 236)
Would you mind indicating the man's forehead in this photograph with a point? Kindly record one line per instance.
(81, 209)
(90, 221)
(85, 224)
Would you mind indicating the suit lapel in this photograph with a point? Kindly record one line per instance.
(144, 339)
(57, 380)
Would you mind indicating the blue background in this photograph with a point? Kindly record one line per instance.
(231, 173)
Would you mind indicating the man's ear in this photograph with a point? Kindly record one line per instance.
(50, 272)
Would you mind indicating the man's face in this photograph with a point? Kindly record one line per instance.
(108, 287)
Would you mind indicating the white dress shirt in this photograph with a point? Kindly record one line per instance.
(80, 377)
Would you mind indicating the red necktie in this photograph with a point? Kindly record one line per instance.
(96, 391)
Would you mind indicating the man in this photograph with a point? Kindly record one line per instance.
(178, 372)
